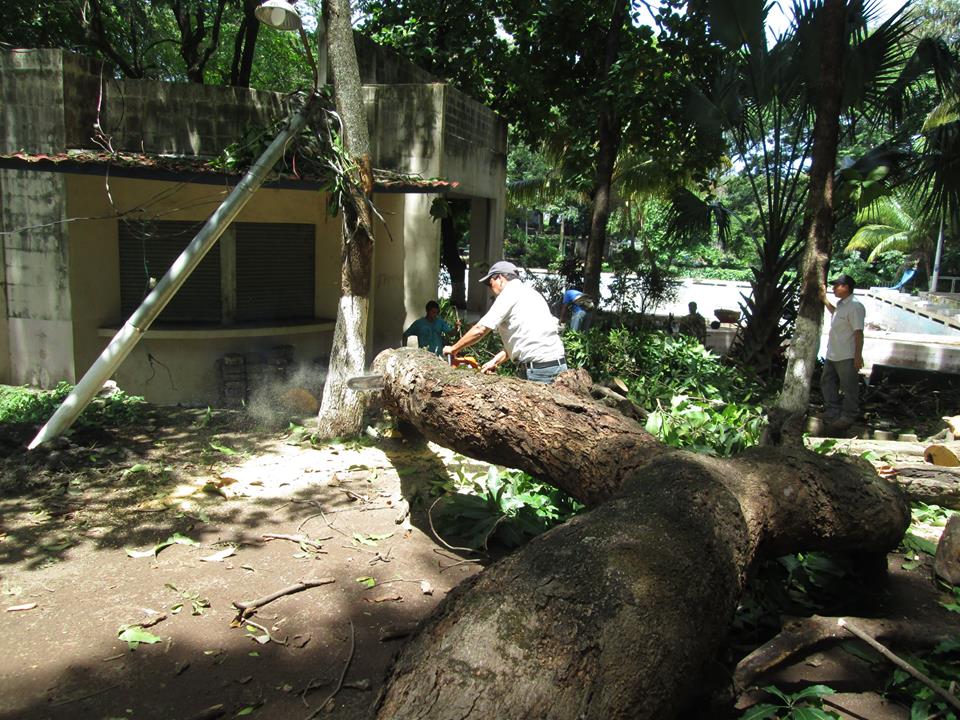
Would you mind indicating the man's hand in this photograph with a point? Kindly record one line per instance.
(858, 363)
(489, 367)
(447, 350)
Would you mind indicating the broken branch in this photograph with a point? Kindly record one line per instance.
(245, 609)
(803, 634)
(899, 662)
(343, 674)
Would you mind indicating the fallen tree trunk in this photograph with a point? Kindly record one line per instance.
(615, 613)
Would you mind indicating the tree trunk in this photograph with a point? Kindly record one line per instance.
(341, 410)
(245, 45)
(819, 221)
(616, 613)
(608, 145)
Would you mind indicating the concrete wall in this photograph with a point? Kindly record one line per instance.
(188, 372)
(393, 264)
(36, 275)
(207, 118)
(382, 66)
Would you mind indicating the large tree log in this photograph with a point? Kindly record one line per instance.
(615, 613)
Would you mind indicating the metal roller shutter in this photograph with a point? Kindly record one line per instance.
(147, 250)
(275, 271)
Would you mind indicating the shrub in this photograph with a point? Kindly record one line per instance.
(31, 407)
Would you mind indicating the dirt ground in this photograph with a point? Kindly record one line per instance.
(71, 517)
(63, 547)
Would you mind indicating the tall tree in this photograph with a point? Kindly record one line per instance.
(583, 77)
(341, 409)
(819, 217)
(768, 106)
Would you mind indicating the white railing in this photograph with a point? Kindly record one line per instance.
(942, 284)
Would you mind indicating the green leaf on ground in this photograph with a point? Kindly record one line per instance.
(133, 635)
(223, 448)
(367, 582)
(175, 539)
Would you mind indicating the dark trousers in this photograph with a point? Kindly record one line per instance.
(840, 385)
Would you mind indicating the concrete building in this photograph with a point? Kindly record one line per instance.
(103, 182)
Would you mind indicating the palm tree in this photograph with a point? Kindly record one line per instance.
(892, 223)
(766, 106)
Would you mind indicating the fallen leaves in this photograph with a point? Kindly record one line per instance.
(134, 635)
(175, 539)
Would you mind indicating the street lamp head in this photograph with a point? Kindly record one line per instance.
(278, 14)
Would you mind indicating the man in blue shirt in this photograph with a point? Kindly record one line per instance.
(429, 329)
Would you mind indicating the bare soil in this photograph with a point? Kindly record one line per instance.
(70, 514)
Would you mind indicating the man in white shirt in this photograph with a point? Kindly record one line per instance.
(840, 381)
(526, 326)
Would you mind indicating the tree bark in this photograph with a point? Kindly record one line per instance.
(245, 45)
(818, 223)
(616, 613)
(341, 410)
(608, 145)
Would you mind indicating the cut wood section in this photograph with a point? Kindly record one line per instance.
(616, 613)
(930, 484)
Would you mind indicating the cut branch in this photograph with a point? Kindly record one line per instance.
(899, 662)
(801, 635)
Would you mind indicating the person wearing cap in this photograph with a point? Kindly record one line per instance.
(526, 326)
(840, 380)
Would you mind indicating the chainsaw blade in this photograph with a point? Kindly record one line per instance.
(366, 382)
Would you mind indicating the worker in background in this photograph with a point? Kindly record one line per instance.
(430, 329)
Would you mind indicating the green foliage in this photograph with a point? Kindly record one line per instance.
(506, 506)
(800, 585)
(942, 666)
(641, 278)
(27, 406)
(807, 704)
(698, 402)
(882, 271)
(707, 428)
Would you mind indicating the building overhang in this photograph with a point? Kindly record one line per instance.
(198, 170)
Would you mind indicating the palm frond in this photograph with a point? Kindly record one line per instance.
(873, 64)
(937, 173)
(947, 111)
(930, 55)
(901, 241)
(691, 218)
(867, 237)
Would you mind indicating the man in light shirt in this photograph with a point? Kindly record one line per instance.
(527, 327)
(840, 381)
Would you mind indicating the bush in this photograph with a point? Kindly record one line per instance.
(23, 405)
(696, 401)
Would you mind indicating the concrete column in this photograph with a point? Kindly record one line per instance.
(421, 267)
(37, 274)
(481, 254)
